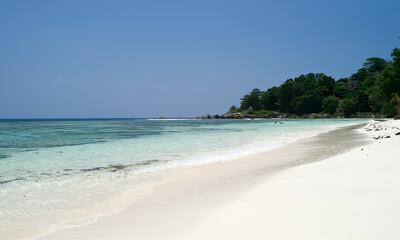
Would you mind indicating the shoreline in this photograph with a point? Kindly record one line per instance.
(354, 195)
(279, 115)
(199, 190)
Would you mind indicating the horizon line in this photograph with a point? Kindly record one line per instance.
(90, 118)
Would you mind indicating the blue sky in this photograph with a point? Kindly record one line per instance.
(82, 58)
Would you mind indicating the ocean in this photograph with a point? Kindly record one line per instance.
(61, 173)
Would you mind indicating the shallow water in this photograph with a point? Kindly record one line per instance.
(57, 173)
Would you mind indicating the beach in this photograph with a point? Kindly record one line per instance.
(350, 196)
(199, 120)
(57, 174)
(337, 185)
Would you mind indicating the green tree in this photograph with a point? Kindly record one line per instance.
(372, 88)
(263, 113)
(329, 104)
(348, 106)
(285, 95)
(269, 99)
(396, 62)
(357, 78)
(375, 64)
(252, 100)
(325, 81)
(320, 91)
(298, 90)
(396, 101)
(362, 86)
(308, 103)
(361, 100)
(386, 82)
(375, 101)
(340, 90)
(308, 81)
(233, 107)
(389, 82)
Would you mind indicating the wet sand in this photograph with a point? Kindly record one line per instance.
(236, 199)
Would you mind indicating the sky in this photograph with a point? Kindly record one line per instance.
(138, 59)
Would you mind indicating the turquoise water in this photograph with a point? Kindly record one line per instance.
(57, 173)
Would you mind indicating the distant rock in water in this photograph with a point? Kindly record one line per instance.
(181, 118)
(163, 118)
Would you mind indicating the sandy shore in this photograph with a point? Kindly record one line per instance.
(287, 193)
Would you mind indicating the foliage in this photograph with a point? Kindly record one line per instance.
(341, 90)
(263, 113)
(375, 64)
(386, 82)
(250, 111)
(371, 89)
(236, 110)
(309, 103)
(252, 100)
(329, 104)
(390, 78)
(389, 109)
(325, 81)
(396, 101)
(269, 99)
(348, 106)
(285, 95)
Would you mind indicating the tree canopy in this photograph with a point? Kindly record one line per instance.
(375, 88)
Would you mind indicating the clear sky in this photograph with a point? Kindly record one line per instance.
(82, 58)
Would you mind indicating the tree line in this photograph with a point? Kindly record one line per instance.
(374, 88)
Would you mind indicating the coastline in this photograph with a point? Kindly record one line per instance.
(279, 115)
(176, 208)
(354, 195)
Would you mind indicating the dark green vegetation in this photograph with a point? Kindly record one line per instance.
(374, 88)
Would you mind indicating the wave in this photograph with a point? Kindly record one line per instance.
(12, 180)
(118, 167)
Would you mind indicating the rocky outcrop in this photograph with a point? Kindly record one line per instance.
(369, 115)
(275, 114)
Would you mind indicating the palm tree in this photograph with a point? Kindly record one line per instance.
(396, 100)
(231, 108)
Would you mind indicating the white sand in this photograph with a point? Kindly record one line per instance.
(355, 195)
